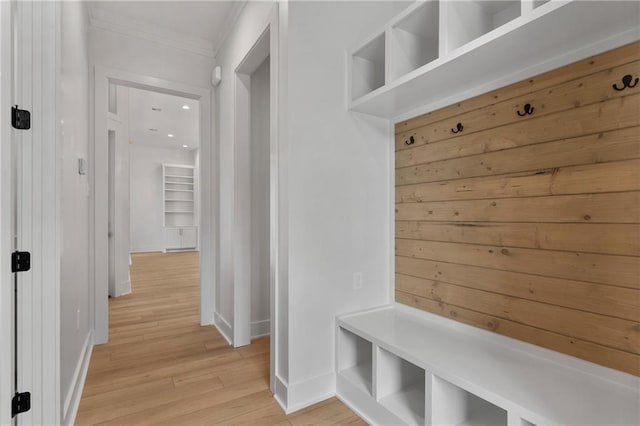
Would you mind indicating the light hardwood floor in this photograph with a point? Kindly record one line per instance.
(161, 367)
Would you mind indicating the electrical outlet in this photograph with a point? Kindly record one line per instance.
(357, 280)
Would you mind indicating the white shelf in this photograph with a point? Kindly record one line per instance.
(178, 190)
(408, 404)
(178, 211)
(359, 376)
(477, 378)
(179, 176)
(178, 200)
(480, 43)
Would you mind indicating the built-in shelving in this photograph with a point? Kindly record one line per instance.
(428, 370)
(436, 51)
(179, 208)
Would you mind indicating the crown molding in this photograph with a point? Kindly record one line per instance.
(131, 27)
(234, 14)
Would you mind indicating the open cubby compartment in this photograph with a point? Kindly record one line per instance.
(355, 359)
(465, 21)
(452, 405)
(368, 67)
(400, 387)
(415, 39)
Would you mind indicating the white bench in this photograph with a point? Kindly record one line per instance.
(397, 366)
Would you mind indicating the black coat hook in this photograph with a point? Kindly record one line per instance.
(410, 141)
(459, 128)
(528, 110)
(626, 82)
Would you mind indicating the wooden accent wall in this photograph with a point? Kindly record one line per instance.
(528, 225)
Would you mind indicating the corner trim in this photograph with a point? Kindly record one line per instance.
(308, 392)
(72, 400)
(260, 328)
(223, 327)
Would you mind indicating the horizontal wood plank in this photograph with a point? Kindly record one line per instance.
(604, 330)
(621, 239)
(623, 271)
(612, 301)
(579, 92)
(606, 116)
(620, 360)
(623, 207)
(616, 57)
(620, 176)
(597, 148)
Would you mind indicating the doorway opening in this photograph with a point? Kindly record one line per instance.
(150, 139)
(252, 252)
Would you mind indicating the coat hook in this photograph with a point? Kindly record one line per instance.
(528, 110)
(459, 128)
(626, 82)
(410, 141)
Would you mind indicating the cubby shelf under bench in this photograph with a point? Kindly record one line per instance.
(395, 366)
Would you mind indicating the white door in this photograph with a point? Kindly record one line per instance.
(173, 239)
(118, 231)
(29, 220)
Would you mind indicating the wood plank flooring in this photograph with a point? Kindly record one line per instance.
(161, 367)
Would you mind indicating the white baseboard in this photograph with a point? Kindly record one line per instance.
(223, 327)
(296, 396)
(260, 328)
(72, 400)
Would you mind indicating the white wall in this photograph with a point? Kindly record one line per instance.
(340, 198)
(74, 116)
(147, 231)
(259, 160)
(246, 31)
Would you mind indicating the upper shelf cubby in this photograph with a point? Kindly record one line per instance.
(437, 52)
(415, 39)
(368, 67)
(465, 21)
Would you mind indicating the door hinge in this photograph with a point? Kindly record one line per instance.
(20, 261)
(21, 403)
(20, 118)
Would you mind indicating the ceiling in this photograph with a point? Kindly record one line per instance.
(172, 119)
(202, 23)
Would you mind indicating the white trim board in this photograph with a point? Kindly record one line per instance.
(223, 328)
(98, 224)
(72, 400)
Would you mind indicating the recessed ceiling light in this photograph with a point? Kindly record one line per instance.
(185, 107)
(170, 135)
(153, 130)
(185, 146)
(156, 109)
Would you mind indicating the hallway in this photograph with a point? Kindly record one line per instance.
(161, 367)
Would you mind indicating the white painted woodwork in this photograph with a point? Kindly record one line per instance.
(471, 377)
(482, 45)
